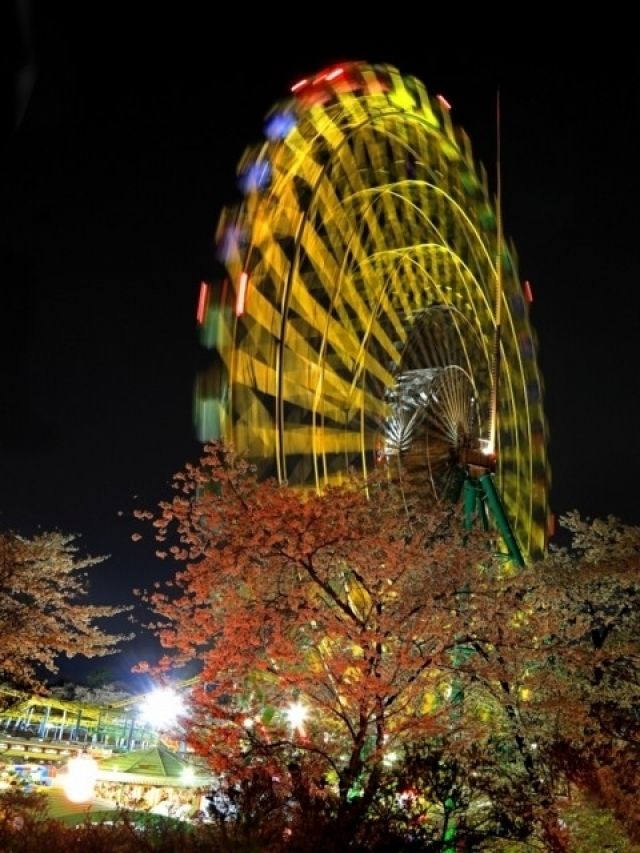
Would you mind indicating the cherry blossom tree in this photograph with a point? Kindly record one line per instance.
(340, 634)
(43, 607)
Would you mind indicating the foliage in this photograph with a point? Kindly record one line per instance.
(21, 815)
(414, 651)
(266, 820)
(104, 694)
(335, 602)
(26, 828)
(592, 828)
(597, 742)
(42, 614)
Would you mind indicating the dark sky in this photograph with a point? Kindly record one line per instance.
(111, 184)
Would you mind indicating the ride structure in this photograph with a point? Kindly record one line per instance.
(370, 314)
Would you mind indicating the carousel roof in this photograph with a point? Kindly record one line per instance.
(154, 766)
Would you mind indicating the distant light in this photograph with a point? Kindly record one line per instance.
(80, 779)
(230, 242)
(528, 294)
(296, 713)
(445, 103)
(242, 294)
(255, 177)
(202, 302)
(335, 73)
(162, 708)
(408, 796)
(390, 758)
(279, 126)
(486, 447)
(300, 84)
(188, 774)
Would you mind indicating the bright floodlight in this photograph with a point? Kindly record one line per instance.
(188, 775)
(80, 779)
(296, 714)
(162, 708)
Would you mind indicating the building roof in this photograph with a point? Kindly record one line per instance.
(154, 766)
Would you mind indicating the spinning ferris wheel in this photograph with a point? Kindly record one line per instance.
(371, 313)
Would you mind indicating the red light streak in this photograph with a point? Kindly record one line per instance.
(528, 294)
(445, 103)
(202, 302)
(297, 86)
(335, 73)
(242, 293)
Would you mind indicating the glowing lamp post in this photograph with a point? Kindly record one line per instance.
(80, 779)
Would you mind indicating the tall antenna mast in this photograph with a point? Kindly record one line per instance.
(495, 367)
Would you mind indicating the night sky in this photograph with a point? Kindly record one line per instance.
(110, 187)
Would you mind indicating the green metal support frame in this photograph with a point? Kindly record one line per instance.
(479, 498)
